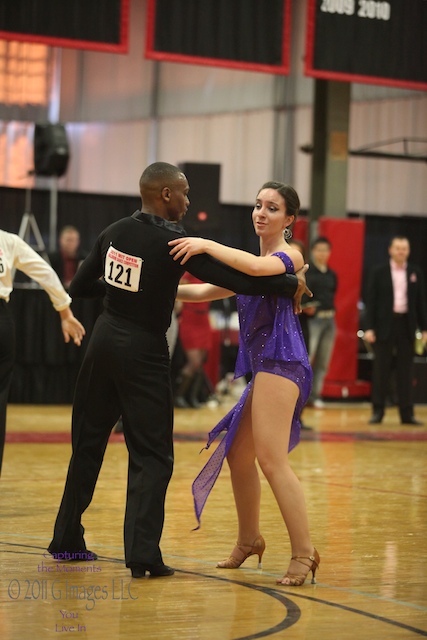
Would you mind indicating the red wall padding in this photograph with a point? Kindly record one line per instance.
(347, 240)
(300, 232)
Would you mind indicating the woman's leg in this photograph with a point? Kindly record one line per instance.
(247, 494)
(245, 479)
(273, 404)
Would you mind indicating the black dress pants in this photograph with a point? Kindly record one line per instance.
(125, 372)
(401, 345)
(7, 359)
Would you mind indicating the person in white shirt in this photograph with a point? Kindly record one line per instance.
(15, 253)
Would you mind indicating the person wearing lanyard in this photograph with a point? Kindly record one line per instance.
(17, 254)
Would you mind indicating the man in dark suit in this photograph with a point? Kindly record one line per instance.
(395, 308)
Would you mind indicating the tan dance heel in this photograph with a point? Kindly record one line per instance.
(241, 552)
(298, 579)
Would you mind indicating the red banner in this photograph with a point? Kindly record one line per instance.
(347, 241)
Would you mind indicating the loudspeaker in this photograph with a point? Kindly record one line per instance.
(204, 180)
(51, 150)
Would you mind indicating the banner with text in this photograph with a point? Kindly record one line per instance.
(369, 42)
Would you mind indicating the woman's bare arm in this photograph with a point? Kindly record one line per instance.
(184, 248)
(202, 293)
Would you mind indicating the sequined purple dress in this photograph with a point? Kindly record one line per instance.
(270, 340)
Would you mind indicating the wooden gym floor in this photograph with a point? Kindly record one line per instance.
(366, 491)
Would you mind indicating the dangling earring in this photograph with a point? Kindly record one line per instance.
(287, 233)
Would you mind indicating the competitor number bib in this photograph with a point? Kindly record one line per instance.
(122, 270)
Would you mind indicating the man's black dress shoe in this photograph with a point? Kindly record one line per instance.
(413, 421)
(155, 570)
(376, 418)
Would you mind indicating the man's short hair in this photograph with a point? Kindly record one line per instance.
(320, 240)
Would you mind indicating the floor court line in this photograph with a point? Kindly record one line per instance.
(242, 569)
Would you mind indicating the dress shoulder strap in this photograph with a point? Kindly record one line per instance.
(286, 261)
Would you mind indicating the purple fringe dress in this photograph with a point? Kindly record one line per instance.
(270, 340)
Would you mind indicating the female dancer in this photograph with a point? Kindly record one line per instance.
(264, 425)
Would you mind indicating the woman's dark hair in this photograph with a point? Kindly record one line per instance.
(289, 195)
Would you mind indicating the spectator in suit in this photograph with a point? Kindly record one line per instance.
(395, 307)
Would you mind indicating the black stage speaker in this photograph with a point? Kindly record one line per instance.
(51, 151)
(203, 212)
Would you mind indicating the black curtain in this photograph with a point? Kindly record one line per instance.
(90, 213)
